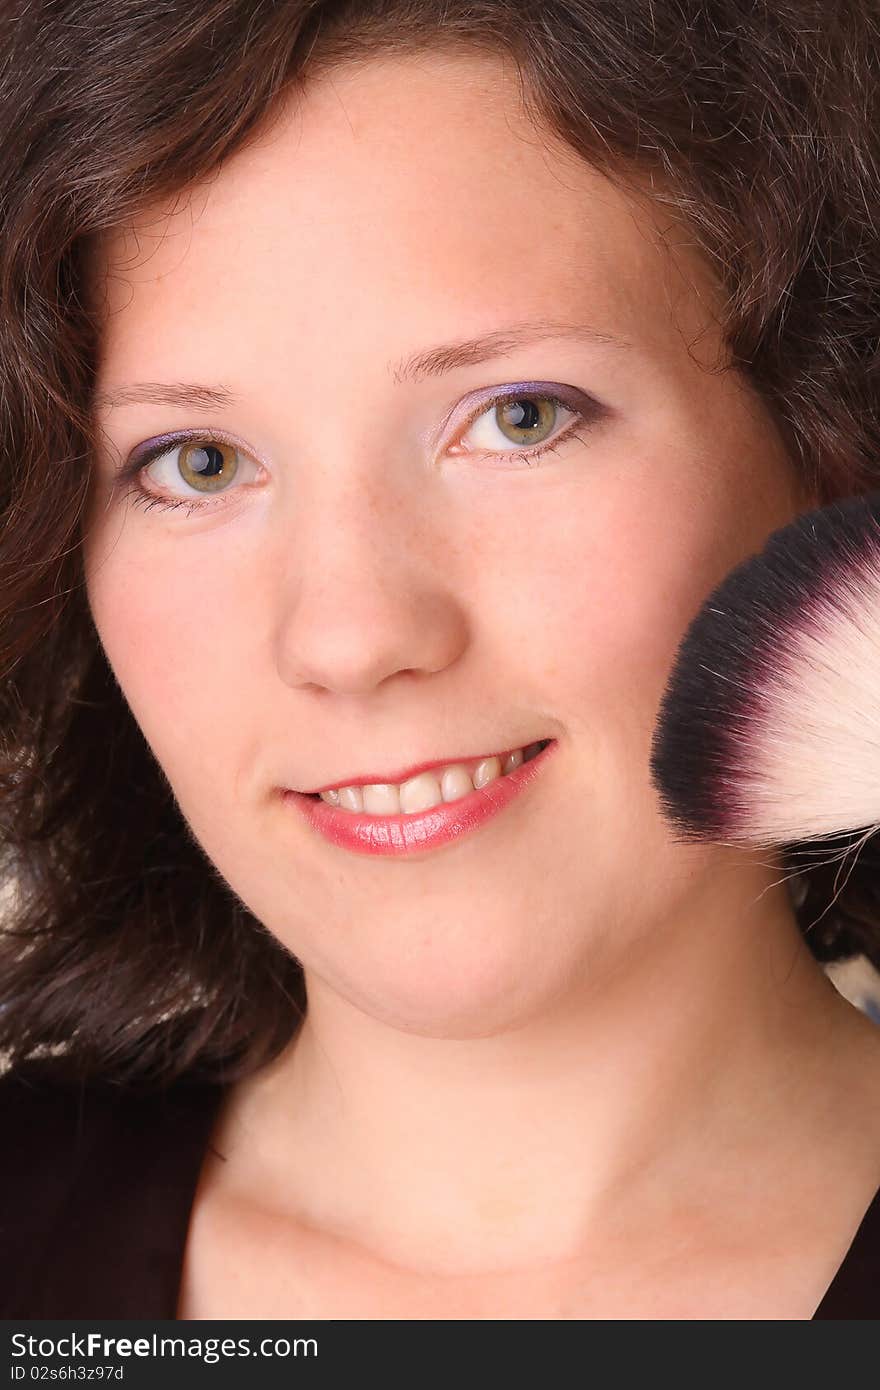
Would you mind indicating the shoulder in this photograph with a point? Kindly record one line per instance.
(45, 1118)
(854, 1293)
(52, 1117)
(92, 1174)
(42, 1088)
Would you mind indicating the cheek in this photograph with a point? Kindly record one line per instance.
(598, 589)
(604, 580)
(168, 633)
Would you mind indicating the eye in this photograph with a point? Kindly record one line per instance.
(188, 470)
(207, 465)
(529, 418)
(193, 469)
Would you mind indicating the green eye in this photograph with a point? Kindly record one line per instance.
(526, 420)
(208, 466)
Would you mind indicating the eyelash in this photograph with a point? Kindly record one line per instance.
(141, 497)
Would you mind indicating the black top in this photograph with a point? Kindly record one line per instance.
(97, 1185)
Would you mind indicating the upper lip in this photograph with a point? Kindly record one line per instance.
(403, 774)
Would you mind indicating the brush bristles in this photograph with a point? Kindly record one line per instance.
(769, 728)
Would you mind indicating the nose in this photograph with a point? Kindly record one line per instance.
(370, 591)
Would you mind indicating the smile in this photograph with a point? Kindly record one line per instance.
(429, 788)
(429, 810)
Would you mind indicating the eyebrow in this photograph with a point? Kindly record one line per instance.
(432, 362)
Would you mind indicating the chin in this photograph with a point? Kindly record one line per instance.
(448, 991)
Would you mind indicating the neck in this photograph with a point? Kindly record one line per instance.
(506, 1149)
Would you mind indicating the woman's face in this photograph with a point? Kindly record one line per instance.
(383, 570)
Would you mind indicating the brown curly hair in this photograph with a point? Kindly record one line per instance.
(757, 121)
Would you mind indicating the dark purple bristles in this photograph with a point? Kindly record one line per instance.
(721, 692)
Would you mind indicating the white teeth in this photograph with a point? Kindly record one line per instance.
(455, 783)
(487, 771)
(425, 790)
(381, 799)
(420, 793)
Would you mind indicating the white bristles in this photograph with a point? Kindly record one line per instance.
(814, 756)
(768, 731)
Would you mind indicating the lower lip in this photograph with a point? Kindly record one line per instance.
(422, 830)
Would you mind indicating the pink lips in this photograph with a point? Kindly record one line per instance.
(421, 830)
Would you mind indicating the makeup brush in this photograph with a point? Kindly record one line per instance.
(768, 731)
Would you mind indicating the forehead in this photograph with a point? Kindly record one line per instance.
(386, 200)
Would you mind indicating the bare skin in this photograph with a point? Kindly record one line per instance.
(744, 1211)
(564, 1066)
